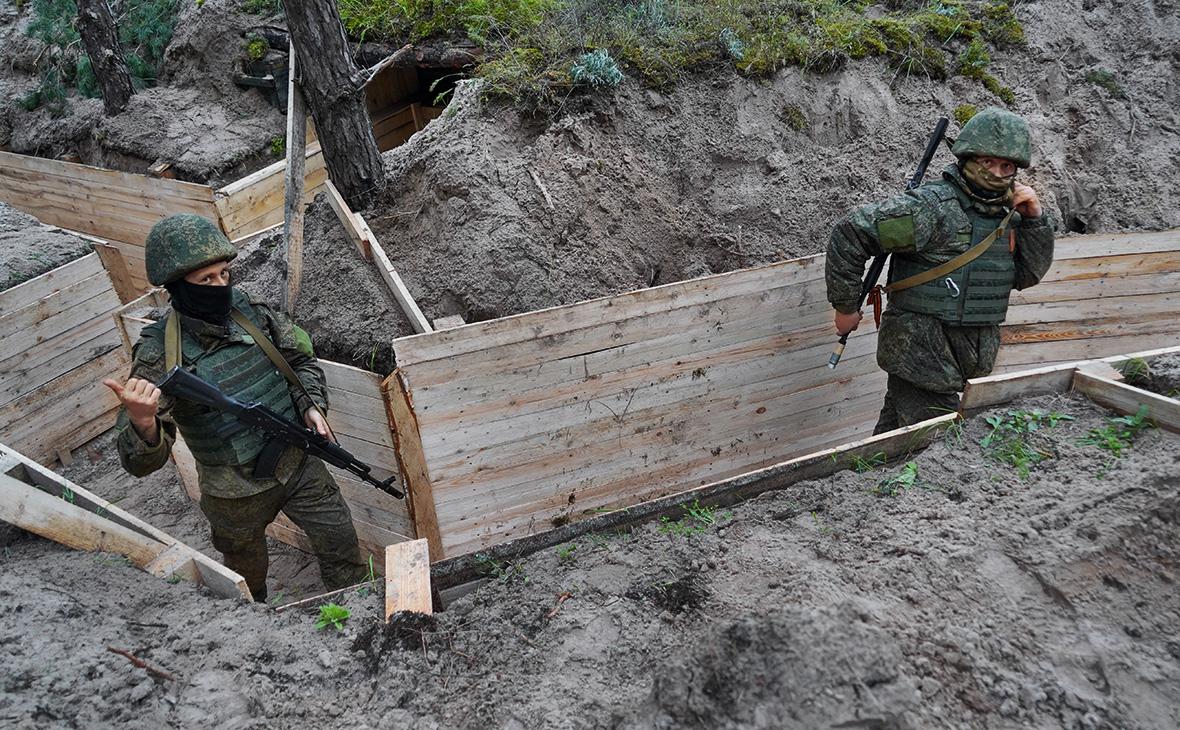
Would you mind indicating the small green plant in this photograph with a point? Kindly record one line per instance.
(794, 117)
(67, 494)
(278, 149)
(1135, 370)
(332, 615)
(263, 7)
(697, 518)
(596, 69)
(1009, 440)
(1119, 432)
(732, 44)
(963, 113)
(862, 464)
(1104, 79)
(1001, 26)
(823, 527)
(565, 554)
(502, 571)
(256, 47)
(896, 485)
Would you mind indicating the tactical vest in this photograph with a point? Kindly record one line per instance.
(974, 294)
(240, 369)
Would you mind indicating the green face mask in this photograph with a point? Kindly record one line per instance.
(985, 179)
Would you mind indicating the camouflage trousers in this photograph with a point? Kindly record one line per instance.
(312, 501)
(907, 404)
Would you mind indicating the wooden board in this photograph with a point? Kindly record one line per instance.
(256, 201)
(1128, 400)
(407, 578)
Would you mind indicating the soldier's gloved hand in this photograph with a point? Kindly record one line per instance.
(141, 398)
(1025, 201)
(845, 323)
(316, 422)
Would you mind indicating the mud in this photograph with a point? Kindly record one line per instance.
(344, 304)
(490, 213)
(28, 248)
(975, 599)
(196, 118)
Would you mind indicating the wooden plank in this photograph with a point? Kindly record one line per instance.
(1112, 244)
(1130, 307)
(816, 465)
(108, 178)
(407, 578)
(99, 306)
(54, 358)
(36, 289)
(1027, 355)
(1115, 286)
(449, 322)
(1128, 400)
(69, 296)
(293, 192)
(348, 220)
(118, 272)
(998, 389)
(420, 498)
(55, 519)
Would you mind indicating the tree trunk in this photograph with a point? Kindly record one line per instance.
(96, 25)
(334, 93)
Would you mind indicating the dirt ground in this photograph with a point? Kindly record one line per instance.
(974, 599)
(490, 213)
(29, 248)
(195, 118)
(1162, 375)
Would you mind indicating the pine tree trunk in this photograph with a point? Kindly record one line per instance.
(96, 25)
(334, 94)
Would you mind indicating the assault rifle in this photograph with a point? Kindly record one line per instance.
(870, 280)
(180, 383)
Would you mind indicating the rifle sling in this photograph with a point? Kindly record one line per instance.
(172, 349)
(957, 262)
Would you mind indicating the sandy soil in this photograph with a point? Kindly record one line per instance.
(975, 599)
(490, 214)
(196, 118)
(28, 248)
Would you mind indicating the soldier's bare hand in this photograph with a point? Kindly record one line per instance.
(1025, 201)
(142, 400)
(845, 323)
(316, 422)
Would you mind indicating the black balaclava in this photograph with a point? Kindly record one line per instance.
(207, 303)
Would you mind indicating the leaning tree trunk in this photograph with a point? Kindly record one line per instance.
(333, 88)
(96, 25)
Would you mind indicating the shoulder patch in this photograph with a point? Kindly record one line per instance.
(896, 233)
(302, 340)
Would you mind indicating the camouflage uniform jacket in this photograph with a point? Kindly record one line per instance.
(140, 458)
(921, 348)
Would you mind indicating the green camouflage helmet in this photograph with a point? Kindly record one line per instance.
(995, 132)
(182, 243)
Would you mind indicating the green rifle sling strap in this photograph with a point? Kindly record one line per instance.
(172, 349)
(956, 263)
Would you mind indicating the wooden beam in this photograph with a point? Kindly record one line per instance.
(893, 444)
(407, 578)
(997, 389)
(118, 272)
(293, 195)
(1128, 400)
(348, 220)
(412, 464)
(449, 322)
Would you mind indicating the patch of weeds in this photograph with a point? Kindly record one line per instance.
(973, 63)
(862, 464)
(263, 7)
(67, 494)
(173, 579)
(1135, 370)
(1009, 441)
(1000, 25)
(256, 47)
(794, 117)
(501, 570)
(1119, 433)
(332, 615)
(278, 146)
(963, 113)
(824, 528)
(697, 518)
(897, 484)
(596, 70)
(565, 554)
(1104, 79)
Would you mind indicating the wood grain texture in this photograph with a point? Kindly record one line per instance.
(407, 578)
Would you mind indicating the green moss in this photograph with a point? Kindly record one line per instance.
(1000, 25)
(265, 8)
(278, 147)
(794, 117)
(1104, 79)
(256, 47)
(963, 113)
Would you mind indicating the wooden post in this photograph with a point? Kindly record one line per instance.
(293, 199)
(407, 578)
(120, 275)
(412, 462)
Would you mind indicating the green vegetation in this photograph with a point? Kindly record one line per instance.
(256, 47)
(697, 518)
(500, 570)
(537, 49)
(794, 117)
(332, 615)
(278, 149)
(861, 464)
(263, 7)
(1009, 442)
(1119, 432)
(565, 554)
(896, 485)
(1104, 79)
(145, 29)
(963, 113)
